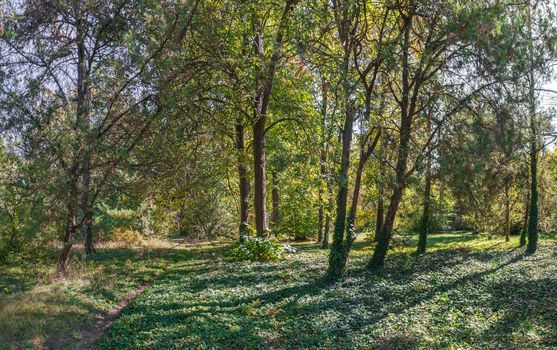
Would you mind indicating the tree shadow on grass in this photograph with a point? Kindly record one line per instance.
(233, 305)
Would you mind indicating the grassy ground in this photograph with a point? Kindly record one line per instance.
(466, 293)
(39, 310)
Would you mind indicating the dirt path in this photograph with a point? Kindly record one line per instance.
(105, 321)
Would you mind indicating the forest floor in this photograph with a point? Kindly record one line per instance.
(465, 293)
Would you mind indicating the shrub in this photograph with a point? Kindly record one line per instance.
(259, 249)
(124, 234)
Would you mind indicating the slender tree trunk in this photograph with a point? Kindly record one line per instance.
(524, 232)
(425, 222)
(406, 114)
(87, 210)
(507, 212)
(275, 196)
(72, 205)
(323, 168)
(243, 179)
(337, 262)
(533, 217)
(326, 232)
(259, 162)
(264, 82)
(381, 193)
(320, 217)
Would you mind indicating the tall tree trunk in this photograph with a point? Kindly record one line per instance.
(406, 114)
(320, 217)
(243, 179)
(350, 226)
(259, 162)
(326, 231)
(425, 222)
(72, 204)
(87, 209)
(337, 262)
(533, 217)
(507, 211)
(524, 232)
(323, 168)
(380, 195)
(264, 82)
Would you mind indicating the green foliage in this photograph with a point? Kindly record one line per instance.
(483, 295)
(259, 249)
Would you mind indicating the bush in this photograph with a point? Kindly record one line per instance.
(124, 234)
(259, 249)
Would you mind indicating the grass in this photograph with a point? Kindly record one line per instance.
(467, 292)
(40, 310)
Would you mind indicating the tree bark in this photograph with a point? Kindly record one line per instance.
(326, 231)
(264, 83)
(407, 110)
(425, 222)
(243, 179)
(507, 211)
(337, 263)
(323, 168)
(379, 219)
(524, 232)
(533, 217)
(72, 205)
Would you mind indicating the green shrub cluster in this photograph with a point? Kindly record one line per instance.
(259, 249)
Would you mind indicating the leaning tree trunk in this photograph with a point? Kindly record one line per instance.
(243, 179)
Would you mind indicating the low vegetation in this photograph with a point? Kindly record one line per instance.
(467, 292)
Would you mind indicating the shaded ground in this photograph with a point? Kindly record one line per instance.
(465, 293)
(38, 310)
